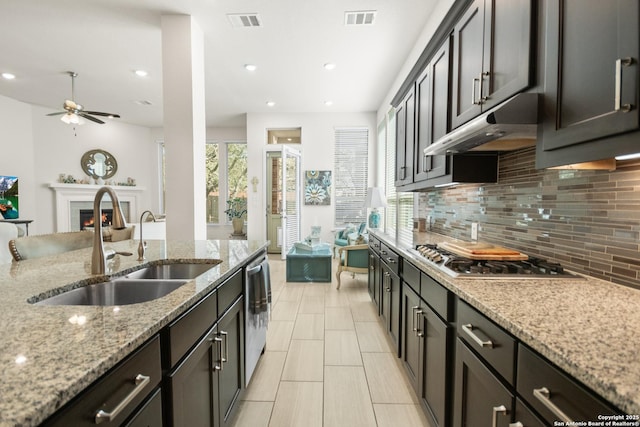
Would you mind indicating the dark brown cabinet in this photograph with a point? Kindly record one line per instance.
(432, 93)
(124, 392)
(205, 379)
(207, 383)
(591, 80)
(374, 278)
(481, 399)
(553, 394)
(491, 56)
(390, 294)
(405, 139)
(425, 353)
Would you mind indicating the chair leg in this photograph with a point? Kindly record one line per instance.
(338, 277)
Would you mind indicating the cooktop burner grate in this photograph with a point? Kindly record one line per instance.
(458, 266)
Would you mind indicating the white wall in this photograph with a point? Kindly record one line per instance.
(37, 148)
(430, 27)
(16, 152)
(317, 154)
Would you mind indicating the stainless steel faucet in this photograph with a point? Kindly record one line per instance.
(141, 245)
(98, 258)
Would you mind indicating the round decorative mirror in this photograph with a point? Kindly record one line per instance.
(99, 164)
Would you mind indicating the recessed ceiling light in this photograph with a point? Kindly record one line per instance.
(270, 103)
(329, 66)
(328, 103)
(141, 73)
(250, 67)
(8, 76)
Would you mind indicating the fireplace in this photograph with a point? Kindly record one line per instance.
(87, 219)
(71, 198)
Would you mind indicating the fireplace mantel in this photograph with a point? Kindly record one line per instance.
(65, 194)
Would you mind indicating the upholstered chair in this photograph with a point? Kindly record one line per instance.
(354, 259)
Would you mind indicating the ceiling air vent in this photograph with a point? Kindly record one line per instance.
(239, 20)
(360, 17)
(143, 102)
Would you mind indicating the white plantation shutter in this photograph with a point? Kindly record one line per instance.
(350, 179)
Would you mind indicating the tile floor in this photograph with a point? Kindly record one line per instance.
(327, 362)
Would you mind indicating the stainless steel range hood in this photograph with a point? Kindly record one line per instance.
(510, 125)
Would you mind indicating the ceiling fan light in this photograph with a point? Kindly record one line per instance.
(70, 119)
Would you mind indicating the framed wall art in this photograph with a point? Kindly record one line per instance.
(317, 187)
(9, 197)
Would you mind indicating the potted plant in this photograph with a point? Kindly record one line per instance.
(235, 212)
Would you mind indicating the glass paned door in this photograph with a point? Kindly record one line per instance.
(283, 198)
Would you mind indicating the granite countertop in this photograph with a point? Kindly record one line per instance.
(51, 353)
(586, 326)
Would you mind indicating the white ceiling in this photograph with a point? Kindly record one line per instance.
(104, 41)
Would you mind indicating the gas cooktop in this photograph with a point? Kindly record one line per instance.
(461, 267)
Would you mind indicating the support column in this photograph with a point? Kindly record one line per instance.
(184, 127)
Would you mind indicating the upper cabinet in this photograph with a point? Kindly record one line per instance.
(405, 131)
(591, 80)
(491, 56)
(432, 92)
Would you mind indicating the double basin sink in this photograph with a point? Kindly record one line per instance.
(142, 285)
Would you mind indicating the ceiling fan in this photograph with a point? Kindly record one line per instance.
(73, 111)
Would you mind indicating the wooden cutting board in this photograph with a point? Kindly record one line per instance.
(481, 250)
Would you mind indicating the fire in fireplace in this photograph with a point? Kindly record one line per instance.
(87, 220)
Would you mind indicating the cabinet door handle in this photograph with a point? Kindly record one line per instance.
(483, 98)
(403, 173)
(474, 85)
(141, 382)
(498, 410)
(218, 342)
(225, 336)
(620, 62)
(544, 396)
(419, 334)
(413, 318)
(468, 329)
(427, 165)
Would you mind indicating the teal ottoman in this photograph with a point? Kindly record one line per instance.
(309, 266)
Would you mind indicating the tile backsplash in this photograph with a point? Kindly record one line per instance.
(589, 221)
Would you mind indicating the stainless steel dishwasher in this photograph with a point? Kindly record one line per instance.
(257, 312)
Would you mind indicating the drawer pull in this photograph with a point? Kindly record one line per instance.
(141, 382)
(544, 396)
(468, 329)
(498, 410)
(391, 260)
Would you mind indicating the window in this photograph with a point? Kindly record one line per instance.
(213, 182)
(226, 175)
(390, 171)
(350, 180)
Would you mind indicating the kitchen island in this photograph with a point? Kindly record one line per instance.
(585, 326)
(50, 354)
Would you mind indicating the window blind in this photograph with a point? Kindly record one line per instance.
(390, 173)
(350, 179)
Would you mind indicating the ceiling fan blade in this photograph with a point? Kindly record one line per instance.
(57, 114)
(88, 117)
(98, 113)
